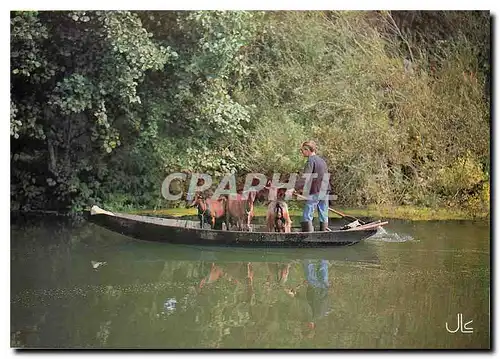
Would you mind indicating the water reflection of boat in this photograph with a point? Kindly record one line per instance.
(363, 253)
(188, 232)
(262, 293)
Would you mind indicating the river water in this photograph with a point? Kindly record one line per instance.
(77, 285)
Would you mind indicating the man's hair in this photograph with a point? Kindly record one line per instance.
(311, 145)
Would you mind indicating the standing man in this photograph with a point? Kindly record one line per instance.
(318, 194)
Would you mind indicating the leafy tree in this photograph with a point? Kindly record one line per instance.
(104, 104)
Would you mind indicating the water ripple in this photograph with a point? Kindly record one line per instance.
(384, 235)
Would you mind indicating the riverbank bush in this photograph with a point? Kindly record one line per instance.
(105, 104)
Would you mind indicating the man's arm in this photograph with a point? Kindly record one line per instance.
(308, 168)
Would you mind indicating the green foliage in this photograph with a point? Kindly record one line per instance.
(273, 146)
(385, 125)
(456, 180)
(15, 125)
(92, 63)
(104, 104)
(216, 38)
(27, 55)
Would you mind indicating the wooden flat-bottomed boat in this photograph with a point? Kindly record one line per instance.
(181, 231)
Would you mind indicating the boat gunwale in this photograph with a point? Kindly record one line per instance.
(157, 221)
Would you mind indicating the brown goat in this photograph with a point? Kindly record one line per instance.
(240, 209)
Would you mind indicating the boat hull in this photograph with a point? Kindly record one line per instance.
(188, 232)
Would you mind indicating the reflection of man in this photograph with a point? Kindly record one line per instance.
(316, 272)
(317, 289)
